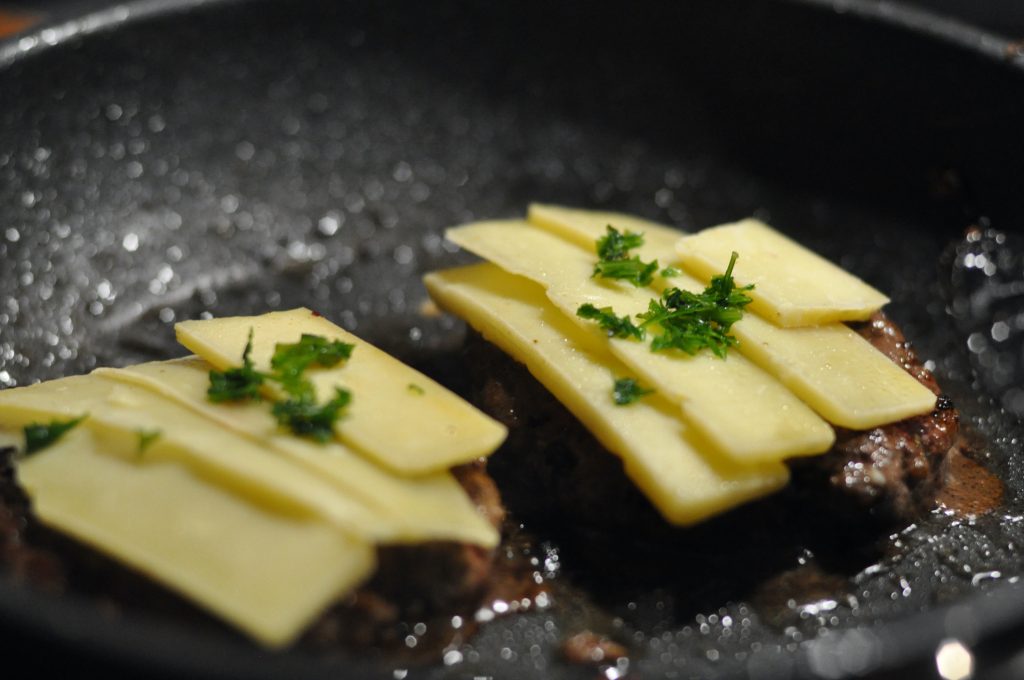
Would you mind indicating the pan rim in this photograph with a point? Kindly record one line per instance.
(86, 17)
(905, 639)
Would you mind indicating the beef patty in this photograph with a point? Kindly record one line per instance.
(550, 461)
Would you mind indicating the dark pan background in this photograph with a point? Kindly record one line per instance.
(240, 157)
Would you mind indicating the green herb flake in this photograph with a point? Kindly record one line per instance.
(633, 270)
(306, 418)
(615, 245)
(39, 436)
(237, 384)
(300, 412)
(614, 261)
(691, 322)
(627, 390)
(292, 359)
(147, 438)
(615, 326)
(416, 389)
(669, 272)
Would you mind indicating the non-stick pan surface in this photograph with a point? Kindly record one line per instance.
(236, 157)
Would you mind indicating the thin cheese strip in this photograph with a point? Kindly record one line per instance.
(794, 286)
(833, 369)
(836, 371)
(403, 509)
(400, 418)
(120, 413)
(583, 227)
(268, 574)
(684, 483)
(740, 409)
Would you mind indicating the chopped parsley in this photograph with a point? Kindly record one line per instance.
(680, 319)
(306, 418)
(237, 384)
(292, 359)
(147, 438)
(39, 436)
(615, 326)
(669, 272)
(614, 261)
(299, 412)
(627, 390)
(615, 245)
(416, 389)
(690, 321)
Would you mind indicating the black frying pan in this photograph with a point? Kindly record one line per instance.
(165, 159)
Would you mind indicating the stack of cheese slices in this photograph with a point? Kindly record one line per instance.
(716, 431)
(259, 526)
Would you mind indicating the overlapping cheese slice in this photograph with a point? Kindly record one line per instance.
(399, 509)
(584, 227)
(119, 413)
(400, 418)
(829, 366)
(741, 410)
(658, 451)
(266, 572)
(794, 286)
(262, 528)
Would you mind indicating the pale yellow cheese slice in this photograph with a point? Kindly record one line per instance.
(401, 509)
(741, 410)
(268, 574)
(120, 413)
(833, 369)
(584, 227)
(13, 440)
(398, 417)
(836, 371)
(794, 286)
(659, 454)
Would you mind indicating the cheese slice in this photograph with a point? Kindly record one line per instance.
(268, 574)
(584, 227)
(836, 371)
(738, 408)
(682, 480)
(794, 286)
(120, 413)
(11, 440)
(401, 509)
(398, 417)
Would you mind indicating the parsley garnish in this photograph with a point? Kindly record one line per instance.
(416, 389)
(614, 261)
(691, 322)
(627, 390)
(616, 246)
(147, 438)
(669, 272)
(38, 436)
(306, 418)
(615, 326)
(237, 384)
(290, 360)
(299, 412)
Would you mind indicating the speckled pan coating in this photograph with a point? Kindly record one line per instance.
(243, 157)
